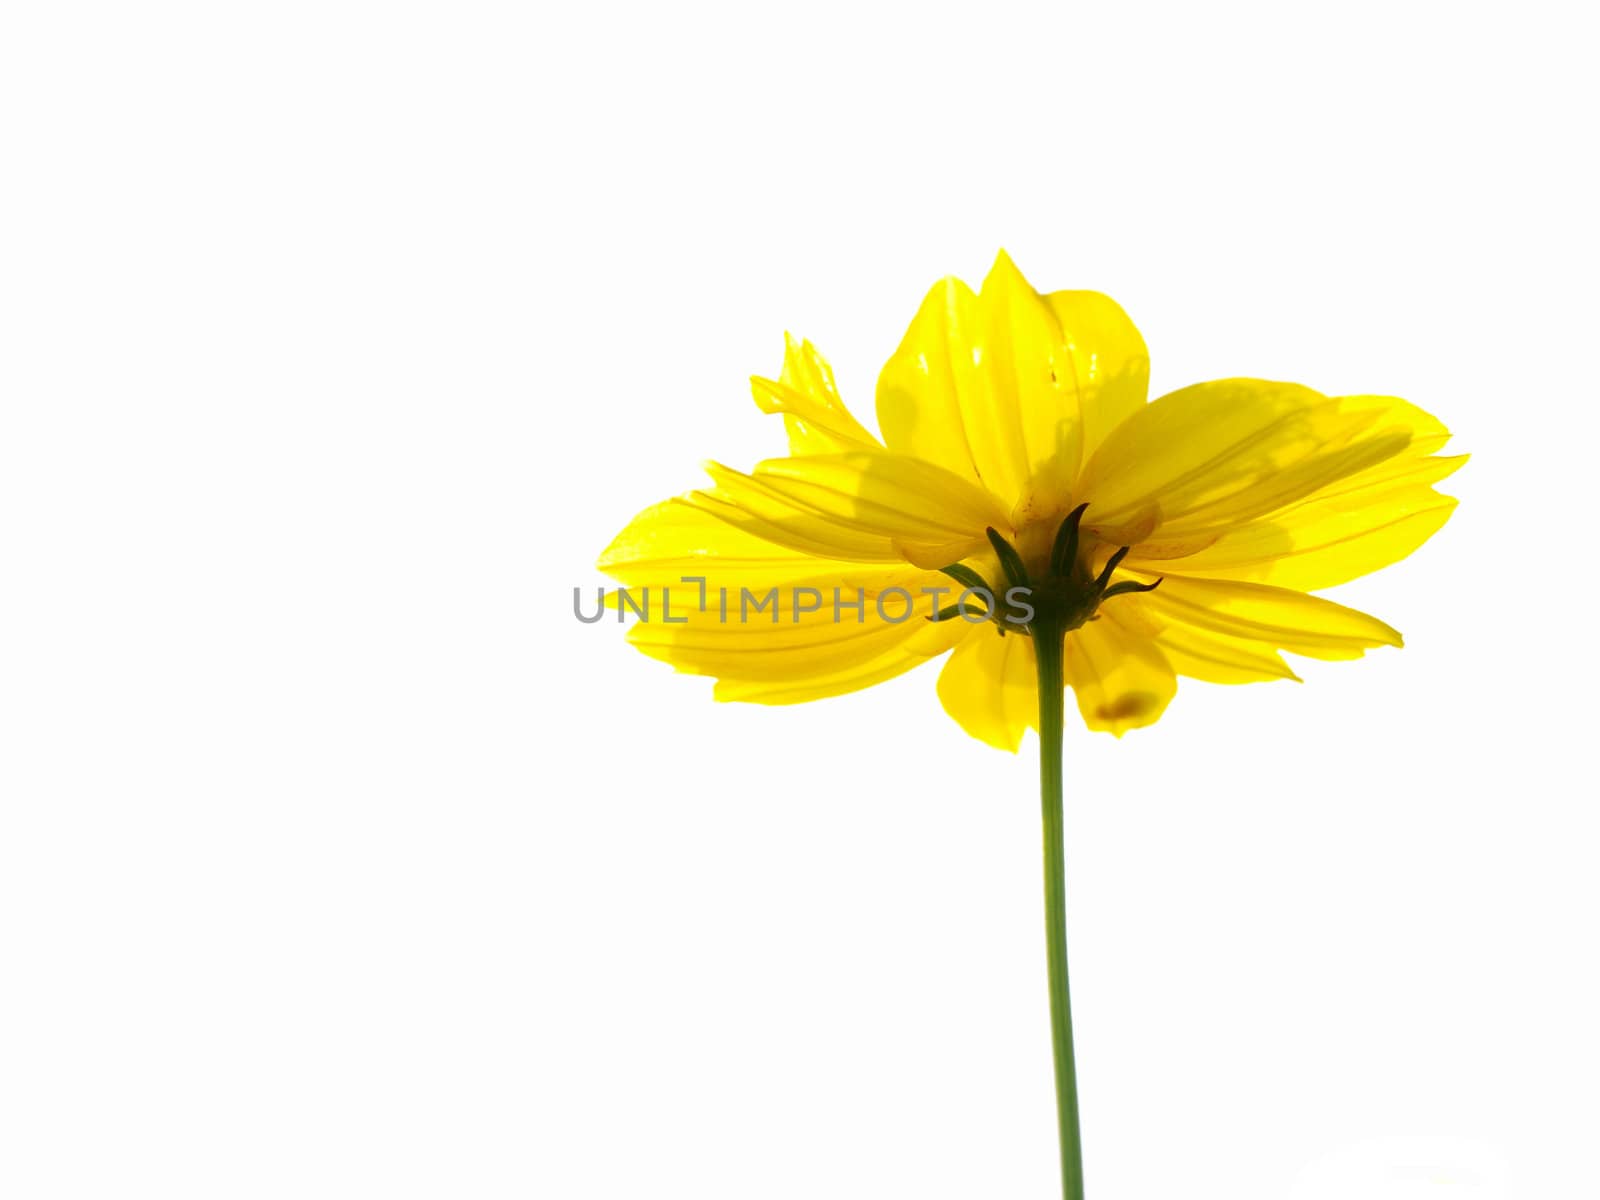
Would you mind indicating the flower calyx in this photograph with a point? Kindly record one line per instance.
(1058, 600)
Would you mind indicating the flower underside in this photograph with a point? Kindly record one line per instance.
(1058, 600)
(1179, 536)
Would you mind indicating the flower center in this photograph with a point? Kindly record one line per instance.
(1059, 598)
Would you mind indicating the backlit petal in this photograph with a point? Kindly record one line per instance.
(864, 506)
(673, 539)
(1272, 616)
(1120, 678)
(816, 418)
(1352, 524)
(1025, 429)
(1198, 653)
(1106, 359)
(773, 625)
(745, 504)
(918, 648)
(990, 686)
(796, 632)
(1321, 543)
(1202, 459)
(926, 390)
(1009, 388)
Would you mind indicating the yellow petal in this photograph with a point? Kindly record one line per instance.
(1120, 678)
(1384, 440)
(1106, 360)
(1024, 427)
(927, 388)
(1008, 388)
(863, 506)
(747, 506)
(890, 493)
(1322, 543)
(1224, 452)
(816, 418)
(1354, 505)
(1427, 433)
(796, 632)
(1287, 485)
(1406, 468)
(670, 540)
(919, 647)
(990, 686)
(776, 626)
(1271, 616)
(1198, 653)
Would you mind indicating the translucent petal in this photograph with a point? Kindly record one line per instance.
(743, 503)
(1286, 485)
(1106, 360)
(1007, 387)
(1026, 431)
(816, 418)
(1120, 678)
(921, 646)
(900, 492)
(1198, 653)
(1197, 464)
(1361, 501)
(1198, 444)
(670, 540)
(1320, 544)
(775, 625)
(796, 632)
(862, 507)
(926, 388)
(990, 686)
(1272, 616)
(1427, 433)
(1406, 468)
(1384, 440)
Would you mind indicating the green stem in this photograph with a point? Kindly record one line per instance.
(1048, 650)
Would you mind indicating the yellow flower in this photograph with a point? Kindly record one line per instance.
(1027, 415)
(1108, 544)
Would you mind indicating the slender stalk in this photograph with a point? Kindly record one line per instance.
(1048, 650)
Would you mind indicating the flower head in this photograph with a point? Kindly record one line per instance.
(1021, 478)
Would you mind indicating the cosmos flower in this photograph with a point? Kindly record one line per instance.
(1099, 541)
(1017, 447)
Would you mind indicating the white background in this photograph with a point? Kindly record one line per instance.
(337, 859)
